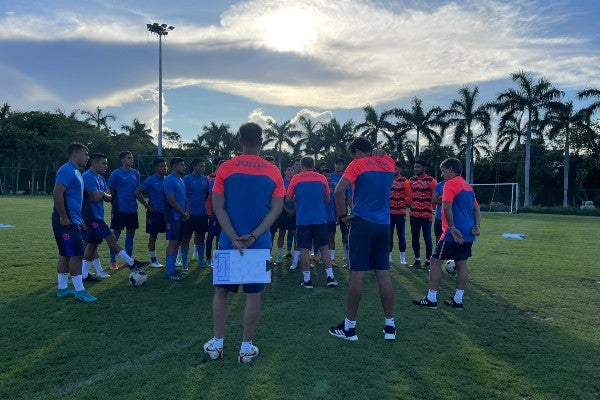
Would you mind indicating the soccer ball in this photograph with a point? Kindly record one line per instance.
(137, 278)
(451, 267)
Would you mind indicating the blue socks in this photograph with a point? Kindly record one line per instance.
(170, 261)
(113, 256)
(129, 243)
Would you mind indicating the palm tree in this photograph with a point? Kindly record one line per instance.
(561, 120)
(138, 128)
(313, 136)
(279, 135)
(98, 118)
(4, 111)
(465, 117)
(586, 94)
(217, 139)
(510, 133)
(533, 98)
(374, 124)
(416, 119)
(337, 137)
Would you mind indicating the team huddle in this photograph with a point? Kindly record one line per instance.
(246, 203)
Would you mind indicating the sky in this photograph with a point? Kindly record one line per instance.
(258, 60)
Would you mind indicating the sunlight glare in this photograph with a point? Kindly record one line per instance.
(289, 29)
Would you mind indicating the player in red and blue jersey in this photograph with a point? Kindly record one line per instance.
(176, 213)
(93, 215)
(155, 207)
(310, 191)
(67, 223)
(460, 226)
(247, 199)
(196, 191)
(369, 236)
(123, 183)
(286, 223)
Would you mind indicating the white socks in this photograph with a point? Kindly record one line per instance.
(458, 295)
(432, 295)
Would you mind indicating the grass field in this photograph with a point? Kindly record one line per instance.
(530, 328)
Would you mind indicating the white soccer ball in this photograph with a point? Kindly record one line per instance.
(137, 278)
(450, 267)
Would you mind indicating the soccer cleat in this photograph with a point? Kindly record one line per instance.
(138, 265)
(185, 269)
(82, 295)
(156, 264)
(339, 331)
(425, 302)
(214, 352)
(331, 282)
(416, 264)
(294, 265)
(280, 258)
(91, 278)
(66, 292)
(114, 266)
(247, 356)
(203, 264)
(102, 275)
(209, 262)
(389, 332)
(427, 265)
(288, 255)
(451, 303)
(307, 284)
(179, 261)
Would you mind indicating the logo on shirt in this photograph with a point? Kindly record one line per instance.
(66, 236)
(251, 164)
(133, 177)
(95, 225)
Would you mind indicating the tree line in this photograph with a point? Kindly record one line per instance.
(528, 134)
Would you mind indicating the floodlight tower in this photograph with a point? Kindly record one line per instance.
(160, 30)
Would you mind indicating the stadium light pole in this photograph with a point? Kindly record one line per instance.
(160, 30)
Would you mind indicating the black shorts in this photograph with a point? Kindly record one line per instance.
(306, 234)
(368, 245)
(285, 221)
(248, 287)
(68, 239)
(196, 223)
(155, 223)
(452, 251)
(174, 230)
(331, 228)
(127, 221)
(96, 231)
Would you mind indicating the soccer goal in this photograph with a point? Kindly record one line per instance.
(497, 197)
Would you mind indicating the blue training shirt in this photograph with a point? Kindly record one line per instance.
(156, 192)
(196, 191)
(439, 189)
(310, 189)
(92, 209)
(174, 186)
(330, 207)
(69, 176)
(124, 183)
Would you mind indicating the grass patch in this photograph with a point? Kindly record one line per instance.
(529, 329)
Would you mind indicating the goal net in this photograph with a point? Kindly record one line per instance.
(497, 197)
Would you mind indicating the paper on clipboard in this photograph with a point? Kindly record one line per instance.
(231, 267)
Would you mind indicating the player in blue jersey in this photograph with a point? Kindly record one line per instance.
(67, 222)
(196, 192)
(155, 207)
(369, 234)
(214, 228)
(286, 223)
(94, 196)
(176, 212)
(460, 226)
(247, 199)
(123, 183)
(310, 191)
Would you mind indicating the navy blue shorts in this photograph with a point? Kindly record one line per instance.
(96, 231)
(68, 239)
(196, 223)
(155, 223)
(368, 245)
(214, 228)
(331, 228)
(174, 230)
(452, 250)
(285, 221)
(306, 234)
(127, 221)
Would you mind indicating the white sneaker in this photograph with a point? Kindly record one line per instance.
(102, 275)
(246, 357)
(156, 264)
(294, 265)
(212, 351)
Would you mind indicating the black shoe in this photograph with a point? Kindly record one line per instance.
(331, 282)
(424, 302)
(288, 255)
(339, 331)
(389, 332)
(416, 264)
(427, 265)
(91, 278)
(139, 264)
(307, 284)
(450, 302)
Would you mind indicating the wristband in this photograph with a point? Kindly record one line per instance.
(252, 236)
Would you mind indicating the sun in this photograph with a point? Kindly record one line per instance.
(289, 29)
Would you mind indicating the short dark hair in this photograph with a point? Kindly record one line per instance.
(269, 158)
(339, 161)
(175, 160)
(250, 134)
(399, 164)
(196, 161)
(422, 163)
(97, 156)
(158, 161)
(307, 162)
(124, 153)
(360, 143)
(453, 164)
(75, 146)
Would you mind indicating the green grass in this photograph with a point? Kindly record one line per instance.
(530, 328)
